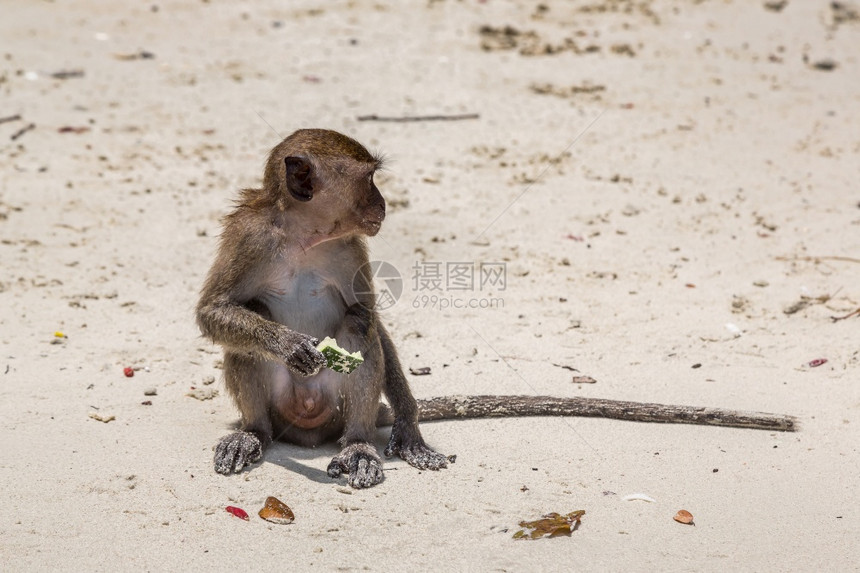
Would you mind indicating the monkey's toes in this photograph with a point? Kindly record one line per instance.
(236, 451)
(335, 468)
(367, 474)
(423, 458)
(362, 464)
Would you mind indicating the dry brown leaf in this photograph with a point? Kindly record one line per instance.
(550, 525)
(277, 511)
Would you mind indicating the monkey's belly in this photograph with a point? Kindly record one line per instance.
(305, 406)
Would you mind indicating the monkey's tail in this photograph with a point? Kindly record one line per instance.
(453, 407)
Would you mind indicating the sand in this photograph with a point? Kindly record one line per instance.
(661, 181)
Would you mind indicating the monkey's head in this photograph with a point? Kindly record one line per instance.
(326, 178)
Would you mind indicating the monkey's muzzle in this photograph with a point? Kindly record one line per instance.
(373, 217)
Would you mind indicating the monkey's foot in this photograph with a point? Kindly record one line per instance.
(236, 451)
(361, 462)
(410, 446)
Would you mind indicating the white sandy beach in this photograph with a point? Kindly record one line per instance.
(662, 181)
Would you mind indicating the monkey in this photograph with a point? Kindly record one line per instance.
(291, 268)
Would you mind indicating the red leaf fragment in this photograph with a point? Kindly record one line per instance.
(817, 362)
(128, 371)
(238, 512)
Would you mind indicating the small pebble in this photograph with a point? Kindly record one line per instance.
(150, 392)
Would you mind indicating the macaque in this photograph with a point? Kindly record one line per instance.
(291, 269)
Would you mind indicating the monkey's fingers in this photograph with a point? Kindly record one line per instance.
(305, 359)
(236, 451)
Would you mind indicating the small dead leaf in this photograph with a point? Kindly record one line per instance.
(550, 525)
(141, 55)
(67, 74)
(73, 129)
(825, 65)
(584, 380)
(684, 516)
(277, 511)
(798, 306)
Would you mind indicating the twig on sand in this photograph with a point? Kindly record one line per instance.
(459, 117)
(8, 118)
(824, 258)
(844, 316)
(22, 131)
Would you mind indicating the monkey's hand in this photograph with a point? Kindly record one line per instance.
(299, 352)
(361, 462)
(236, 451)
(406, 442)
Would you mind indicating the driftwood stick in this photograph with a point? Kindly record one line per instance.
(452, 407)
(844, 316)
(822, 258)
(22, 131)
(459, 117)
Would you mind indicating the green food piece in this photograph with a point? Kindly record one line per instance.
(337, 358)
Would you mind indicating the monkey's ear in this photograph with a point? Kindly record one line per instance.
(299, 178)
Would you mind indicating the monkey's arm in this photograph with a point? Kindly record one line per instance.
(451, 407)
(230, 315)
